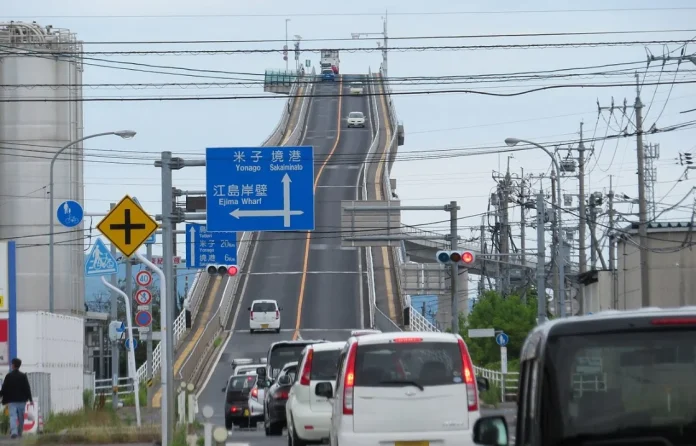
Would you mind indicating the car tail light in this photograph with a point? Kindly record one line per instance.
(254, 393)
(675, 321)
(251, 315)
(468, 375)
(233, 409)
(307, 369)
(349, 380)
(277, 314)
(281, 395)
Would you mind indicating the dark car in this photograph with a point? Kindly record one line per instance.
(614, 377)
(237, 400)
(276, 396)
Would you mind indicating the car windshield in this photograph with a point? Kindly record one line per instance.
(325, 365)
(355, 115)
(621, 384)
(427, 363)
(283, 354)
(264, 307)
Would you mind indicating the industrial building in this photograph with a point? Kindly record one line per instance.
(32, 131)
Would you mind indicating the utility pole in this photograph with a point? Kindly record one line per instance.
(505, 232)
(556, 255)
(523, 241)
(115, 360)
(612, 248)
(642, 202)
(482, 285)
(285, 49)
(541, 260)
(642, 199)
(583, 216)
(454, 272)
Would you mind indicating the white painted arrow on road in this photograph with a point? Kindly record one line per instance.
(194, 260)
(286, 213)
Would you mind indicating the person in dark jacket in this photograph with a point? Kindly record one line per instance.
(15, 394)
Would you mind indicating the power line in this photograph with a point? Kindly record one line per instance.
(367, 49)
(422, 37)
(360, 14)
(323, 95)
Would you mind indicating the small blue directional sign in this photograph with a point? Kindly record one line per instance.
(260, 189)
(128, 344)
(122, 328)
(502, 339)
(204, 248)
(150, 240)
(100, 262)
(70, 213)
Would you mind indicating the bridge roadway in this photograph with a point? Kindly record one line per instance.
(212, 295)
(318, 284)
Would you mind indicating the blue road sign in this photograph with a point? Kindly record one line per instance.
(502, 339)
(70, 213)
(122, 328)
(204, 248)
(260, 189)
(100, 261)
(128, 344)
(150, 240)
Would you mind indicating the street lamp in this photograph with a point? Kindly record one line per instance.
(125, 134)
(557, 234)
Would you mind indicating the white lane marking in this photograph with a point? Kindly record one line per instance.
(300, 272)
(236, 444)
(234, 322)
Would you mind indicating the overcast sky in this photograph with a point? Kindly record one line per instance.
(432, 122)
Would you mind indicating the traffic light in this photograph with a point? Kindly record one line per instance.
(223, 270)
(465, 257)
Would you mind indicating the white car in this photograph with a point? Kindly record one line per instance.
(363, 332)
(403, 388)
(356, 88)
(246, 366)
(308, 415)
(264, 315)
(356, 119)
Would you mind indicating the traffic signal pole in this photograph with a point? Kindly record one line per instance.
(541, 260)
(115, 360)
(454, 272)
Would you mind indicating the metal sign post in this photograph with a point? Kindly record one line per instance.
(132, 370)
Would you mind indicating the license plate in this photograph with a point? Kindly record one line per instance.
(412, 443)
(246, 412)
(264, 325)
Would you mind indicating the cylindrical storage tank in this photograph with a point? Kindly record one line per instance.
(31, 133)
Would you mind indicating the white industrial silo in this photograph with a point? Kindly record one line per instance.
(30, 135)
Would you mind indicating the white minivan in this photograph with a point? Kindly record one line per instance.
(264, 315)
(403, 388)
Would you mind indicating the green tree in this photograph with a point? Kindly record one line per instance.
(510, 314)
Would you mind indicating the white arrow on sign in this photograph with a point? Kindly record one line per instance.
(285, 212)
(194, 261)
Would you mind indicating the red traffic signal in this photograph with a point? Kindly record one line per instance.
(222, 270)
(468, 257)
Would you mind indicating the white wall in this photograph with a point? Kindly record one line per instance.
(54, 343)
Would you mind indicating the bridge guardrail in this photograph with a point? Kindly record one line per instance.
(193, 366)
(201, 280)
(374, 116)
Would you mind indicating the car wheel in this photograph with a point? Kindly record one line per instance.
(228, 424)
(277, 330)
(276, 429)
(251, 330)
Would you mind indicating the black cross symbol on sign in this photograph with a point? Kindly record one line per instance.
(127, 226)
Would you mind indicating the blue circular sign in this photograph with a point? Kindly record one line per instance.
(128, 344)
(70, 213)
(502, 339)
(143, 318)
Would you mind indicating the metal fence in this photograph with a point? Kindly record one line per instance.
(506, 382)
(105, 386)
(40, 384)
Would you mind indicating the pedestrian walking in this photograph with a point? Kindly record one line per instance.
(15, 394)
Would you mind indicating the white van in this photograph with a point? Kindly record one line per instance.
(264, 315)
(403, 387)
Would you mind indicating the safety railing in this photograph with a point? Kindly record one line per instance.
(193, 366)
(198, 288)
(420, 323)
(506, 382)
(105, 386)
